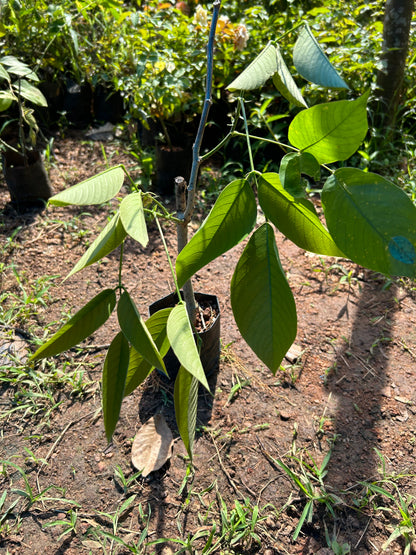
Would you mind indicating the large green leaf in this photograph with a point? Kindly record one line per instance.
(136, 331)
(261, 299)
(18, 68)
(186, 403)
(113, 380)
(311, 62)
(292, 166)
(139, 367)
(232, 217)
(91, 317)
(256, 74)
(109, 239)
(294, 217)
(6, 99)
(332, 131)
(285, 84)
(4, 74)
(372, 221)
(183, 343)
(95, 190)
(132, 217)
(30, 93)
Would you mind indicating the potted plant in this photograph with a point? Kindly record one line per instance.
(357, 209)
(23, 168)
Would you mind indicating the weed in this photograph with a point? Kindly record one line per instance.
(309, 479)
(236, 388)
(69, 525)
(125, 482)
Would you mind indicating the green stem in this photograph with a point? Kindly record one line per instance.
(225, 140)
(272, 141)
(250, 154)
(169, 259)
(120, 265)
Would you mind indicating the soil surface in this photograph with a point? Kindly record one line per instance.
(349, 390)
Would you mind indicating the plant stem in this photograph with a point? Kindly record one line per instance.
(182, 234)
(168, 257)
(185, 204)
(250, 154)
(196, 161)
(225, 140)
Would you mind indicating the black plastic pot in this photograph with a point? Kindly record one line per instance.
(77, 104)
(107, 105)
(170, 163)
(26, 178)
(210, 338)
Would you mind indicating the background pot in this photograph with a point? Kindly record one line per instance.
(210, 346)
(26, 178)
(170, 163)
(77, 104)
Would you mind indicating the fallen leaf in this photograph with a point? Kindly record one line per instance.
(152, 446)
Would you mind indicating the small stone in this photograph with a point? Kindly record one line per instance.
(284, 415)
(413, 547)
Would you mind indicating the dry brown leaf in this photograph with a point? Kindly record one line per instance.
(152, 446)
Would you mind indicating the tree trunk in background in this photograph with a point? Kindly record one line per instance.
(397, 20)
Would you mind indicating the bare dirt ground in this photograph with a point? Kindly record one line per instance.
(352, 393)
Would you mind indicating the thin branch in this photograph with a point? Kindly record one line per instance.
(196, 161)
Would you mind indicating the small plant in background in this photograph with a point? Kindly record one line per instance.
(17, 87)
(357, 211)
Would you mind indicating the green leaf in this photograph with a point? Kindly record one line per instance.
(109, 239)
(139, 367)
(95, 190)
(256, 74)
(294, 217)
(136, 332)
(372, 220)
(85, 322)
(232, 217)
(292, 166)
(285, 84)
(311, 62)
(132, 218)
(30, 93)
(332, 131)
(183, 343)
(16, 67)
(113, 380)
(186, 403)
(6, 99)
(4, 74)
(261, 299)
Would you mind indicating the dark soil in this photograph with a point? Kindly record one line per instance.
(352, 390)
